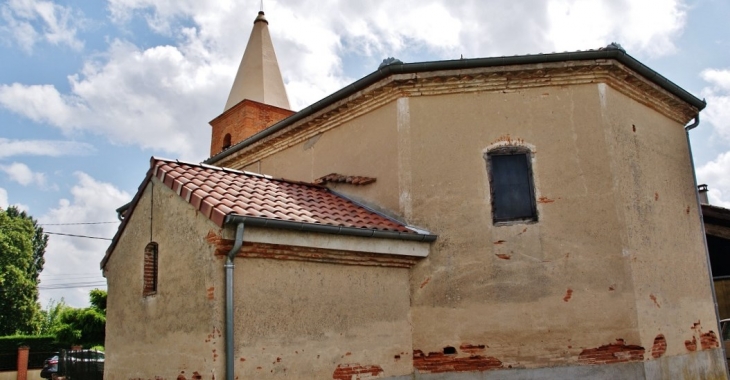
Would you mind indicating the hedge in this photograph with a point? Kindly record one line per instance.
(40, 348)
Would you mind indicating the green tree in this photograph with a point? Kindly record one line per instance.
(84, 326)
(22, 245)
(51, 317)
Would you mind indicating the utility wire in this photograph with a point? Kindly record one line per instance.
(101, 284)
(72, 224)
(81, 236)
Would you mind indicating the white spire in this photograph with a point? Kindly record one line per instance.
(259, 78)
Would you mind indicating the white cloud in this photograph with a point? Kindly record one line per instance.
(52, 148)
(717, 95)
(716, 174)
(162, 98)
(645, 27)
(70, 258)
(22, 174)
(27, 22)
(5, 201)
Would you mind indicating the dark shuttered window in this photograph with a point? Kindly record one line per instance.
(513, 192)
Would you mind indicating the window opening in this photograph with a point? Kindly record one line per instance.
(150, 269)
(511, 185)
(227, 141)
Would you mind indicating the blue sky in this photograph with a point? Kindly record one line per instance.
(90, 90)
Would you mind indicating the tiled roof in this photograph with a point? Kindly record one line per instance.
(339, 178)
(217, 192)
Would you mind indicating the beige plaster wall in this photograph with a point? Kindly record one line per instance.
(616, 253)
(292, 318)
(13, 375)
(307, 320)
(179, 328)
(363, 146)
(661, 235)
(533, 293)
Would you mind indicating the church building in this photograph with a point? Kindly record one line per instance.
(522, 217)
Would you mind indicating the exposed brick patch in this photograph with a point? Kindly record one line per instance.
(499, 242)
(287, 252)
(656, 196)
(181, 376)
(472, 348)
(568, 295)
(211, 293)
(196, 376)
(545, 200)
(653, 298)
(425, 282)
(350, 179)
(508, 140)
(212, 237)
(437, 362)
(709, 340)
(503, 256)
(618, 352)
(356, 371)
(659, 347)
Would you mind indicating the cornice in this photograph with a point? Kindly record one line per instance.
(491, 79)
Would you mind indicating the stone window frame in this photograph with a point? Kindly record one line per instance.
(150, 273)
(512, 150)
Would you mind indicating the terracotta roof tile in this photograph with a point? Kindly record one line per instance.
(339, 178)
(217, 192)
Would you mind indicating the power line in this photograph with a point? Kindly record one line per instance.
(72, 235)
(72, 286)
(72, 224)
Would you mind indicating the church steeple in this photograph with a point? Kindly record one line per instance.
(259, 78)
(258, 97)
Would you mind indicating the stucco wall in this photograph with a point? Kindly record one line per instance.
(292, 318)
(179, 328)
(615, 260)
(320, 321)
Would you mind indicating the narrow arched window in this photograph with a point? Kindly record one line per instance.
(226, 141)
(150, 269)
(511, 184)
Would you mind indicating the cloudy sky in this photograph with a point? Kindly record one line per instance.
(89, 92)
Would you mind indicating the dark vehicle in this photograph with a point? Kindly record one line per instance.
(50, 366)
(76, 361)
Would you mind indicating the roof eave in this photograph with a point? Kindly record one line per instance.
(410, 68)
(327, 229)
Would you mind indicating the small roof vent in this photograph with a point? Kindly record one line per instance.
(614, 46)
(390, 61)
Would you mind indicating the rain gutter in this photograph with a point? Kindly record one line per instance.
(328, 229)
(463, 64)
(237, 244)
(704, 239)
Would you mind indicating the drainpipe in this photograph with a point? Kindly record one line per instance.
(229, 300)
(704, 240)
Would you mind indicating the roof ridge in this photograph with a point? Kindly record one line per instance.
(236, 171)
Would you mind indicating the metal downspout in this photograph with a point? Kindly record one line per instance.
(704, 239)
(229, 300)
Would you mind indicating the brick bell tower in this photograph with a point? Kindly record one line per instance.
(258, 98)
